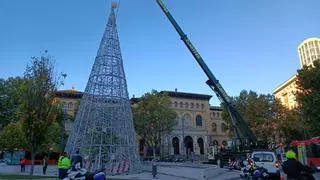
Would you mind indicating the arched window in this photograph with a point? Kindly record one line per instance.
(186, 105)
(186, 121)
(70, 105)
(198, 120)
(175, 104)
(214, 127)
(65, 106)
(224, 127)
(181, 104)
(192, 105)
(202, 106)
(197, 105)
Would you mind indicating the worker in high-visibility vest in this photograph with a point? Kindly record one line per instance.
(64, 164)
(293, 167)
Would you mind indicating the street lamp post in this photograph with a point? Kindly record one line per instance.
(184, 143)
(168, 144)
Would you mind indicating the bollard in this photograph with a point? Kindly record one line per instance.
(154, 169)
(220, 165)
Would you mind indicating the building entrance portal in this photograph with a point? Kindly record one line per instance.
(175, 144)
(201, 145)
(188, 143)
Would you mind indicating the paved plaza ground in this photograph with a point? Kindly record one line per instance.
(166, 171)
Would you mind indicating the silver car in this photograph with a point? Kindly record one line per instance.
(267, 160)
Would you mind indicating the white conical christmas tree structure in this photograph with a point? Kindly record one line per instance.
(103, 130)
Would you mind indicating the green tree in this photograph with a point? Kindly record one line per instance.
(308, 97)
(153, 118)
(10, 99)
(257, 110)
(287, 123)
(12, 137)
(37, 110)
(52, 139)
(268, 119)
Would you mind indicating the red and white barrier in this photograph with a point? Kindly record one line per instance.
(125, 167)
(114, 167)
(120, 167)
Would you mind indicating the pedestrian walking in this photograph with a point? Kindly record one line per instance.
(23, 164)
(63, 165)
(45, 164)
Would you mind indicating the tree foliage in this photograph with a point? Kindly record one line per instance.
(153, 117)
(287, 123)
(37, 111)
(52, 139)
(256, 110)
(12, 137)
(266, 117)
(308, 97)
(10, 99)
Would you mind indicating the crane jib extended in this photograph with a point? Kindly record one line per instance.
(214, 84)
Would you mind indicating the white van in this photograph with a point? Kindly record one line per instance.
(268, 160)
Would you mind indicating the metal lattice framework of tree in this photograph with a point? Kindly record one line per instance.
(103, 131)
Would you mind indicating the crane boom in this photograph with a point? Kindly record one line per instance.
(240, 127)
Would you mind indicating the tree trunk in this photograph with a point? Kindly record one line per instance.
(33, 155)
(163, 154)
(11, 153)
(154, 152)
(160, 146)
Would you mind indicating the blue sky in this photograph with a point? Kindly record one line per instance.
(247, 44)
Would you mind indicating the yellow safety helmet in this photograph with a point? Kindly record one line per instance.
(290, 154)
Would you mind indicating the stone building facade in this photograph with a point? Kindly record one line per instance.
(199, 125)
(286, 93)
(70, 99)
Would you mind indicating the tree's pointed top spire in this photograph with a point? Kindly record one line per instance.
(114, 5)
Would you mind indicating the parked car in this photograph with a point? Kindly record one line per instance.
(267, 160)
(3, 162)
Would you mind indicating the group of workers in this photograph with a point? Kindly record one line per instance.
(64, 163)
